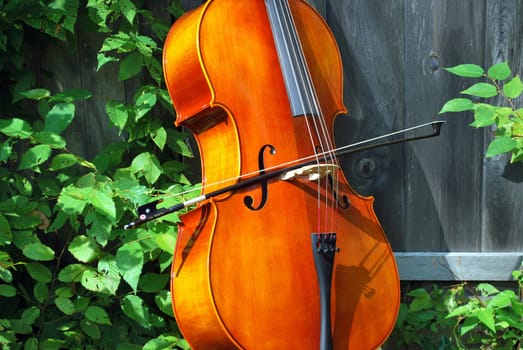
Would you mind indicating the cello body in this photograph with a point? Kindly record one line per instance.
(243, 275)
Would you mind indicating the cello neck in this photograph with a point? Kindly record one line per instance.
(298, 82)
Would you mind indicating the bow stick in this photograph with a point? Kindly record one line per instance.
(149, 212)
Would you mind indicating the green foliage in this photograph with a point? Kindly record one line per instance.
(508, 119)
(70, 276)
(461, 317)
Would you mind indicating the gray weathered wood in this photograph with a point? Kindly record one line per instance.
(442, 194)
(466, 266)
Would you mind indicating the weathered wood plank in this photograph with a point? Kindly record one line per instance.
(370, 41)
(466, 266)
(503, 187)
(443, 184)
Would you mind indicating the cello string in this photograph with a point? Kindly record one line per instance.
(288, 32)
(318, 119)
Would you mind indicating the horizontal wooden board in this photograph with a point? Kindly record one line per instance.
(465, 266)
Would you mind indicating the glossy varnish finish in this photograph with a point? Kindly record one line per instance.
(245, 278)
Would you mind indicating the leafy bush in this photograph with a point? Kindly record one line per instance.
(462, 317)
(70, 276)
(506, 116)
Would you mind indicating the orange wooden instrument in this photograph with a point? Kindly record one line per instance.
(295, 261)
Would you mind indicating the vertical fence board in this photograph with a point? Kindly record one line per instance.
(370, 41)
(503, 205)
(444, 177)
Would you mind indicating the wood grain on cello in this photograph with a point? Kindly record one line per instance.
(298, 261)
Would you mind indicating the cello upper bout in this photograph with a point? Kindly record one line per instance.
(184, 75)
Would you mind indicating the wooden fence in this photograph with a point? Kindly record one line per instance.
(449, 212)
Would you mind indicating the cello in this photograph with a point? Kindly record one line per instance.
(294, 260)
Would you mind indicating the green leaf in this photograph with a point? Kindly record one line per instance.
(502, 300)
(486, 289)
(144, 103)
(513, 88)
(15, 127)
(129, 259)
(50, 138)
(34, 157)
(117, 113)
(100, 228)
(103, 204)
(72, 273)
(38, 251)
(469, 324)
(501, 145)
(30, 315)
(149, 165)
(39, 272)
(41, 292)
(500, 71)
(153, 282)
(71, 95)
(7, 290)
(130, 66)
(103, 59)
(6, 149)
(36, 94)
(98, 315)
(59, 117)
(484, 115)
(31, 344)
(466, 70)
(164, 302)
(51, 344)
(128, 9)
(90, 328)
(62, 161)
(5, 274)
(166, 242)
(65, 305)
(73, 200)
(108, 268)
(160, 138)
(134, 307)
(484, 90)
(486, 316)
(97, 282)
(457, 105)
(84, 249)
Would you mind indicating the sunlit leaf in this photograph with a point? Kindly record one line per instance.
(457, 105)
(467, 70)
(35, 156)
(15, 127)
(134, 307)
(38, 251)
(129, 259)
(513, 88)
(500, 71)
(59, 117)
(501, 145)
(84, 249)
(484, 90)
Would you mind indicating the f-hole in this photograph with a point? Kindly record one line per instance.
(248, 200)
(343, 201)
